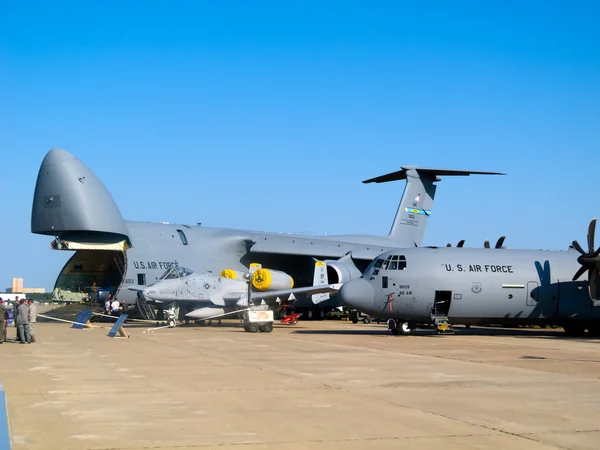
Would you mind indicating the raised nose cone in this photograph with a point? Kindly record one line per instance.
(69, 198)
(358, 294)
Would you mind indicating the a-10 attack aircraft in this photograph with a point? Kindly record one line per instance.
(201, 296)
(482, 286)
(74, 207)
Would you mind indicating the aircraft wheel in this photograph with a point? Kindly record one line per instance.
(366, 321)
(252, 327)
(406, 328)
(309, 314)
(321, 314)
(171, 323)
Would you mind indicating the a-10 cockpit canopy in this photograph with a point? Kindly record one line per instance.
(176, 272)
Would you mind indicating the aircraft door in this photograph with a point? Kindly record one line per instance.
(442, 302)
(532, 293)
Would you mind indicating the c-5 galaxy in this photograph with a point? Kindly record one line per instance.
(430, 285)
(71, 204)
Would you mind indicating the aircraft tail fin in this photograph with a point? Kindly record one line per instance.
(417, 200)
(320, 279)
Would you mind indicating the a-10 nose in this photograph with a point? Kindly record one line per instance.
(357, 294)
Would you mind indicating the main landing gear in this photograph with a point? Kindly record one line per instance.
(400, 328)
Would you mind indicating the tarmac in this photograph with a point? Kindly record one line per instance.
(315, 385)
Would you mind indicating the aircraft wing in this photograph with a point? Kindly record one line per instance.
(324, 289)
(316, 247)
(283, 293)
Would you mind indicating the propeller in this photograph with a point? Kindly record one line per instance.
(589, 261)
(460, 243)
(499, 242)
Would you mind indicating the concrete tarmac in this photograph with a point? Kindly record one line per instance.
(314, 385)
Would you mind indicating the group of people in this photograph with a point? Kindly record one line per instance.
(25, 318)
(112, 307)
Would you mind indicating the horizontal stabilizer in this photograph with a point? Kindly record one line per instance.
(417, 200)
(402, 174)
(136, 287)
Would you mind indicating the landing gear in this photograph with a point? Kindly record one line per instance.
(407, 328)
(172, 313)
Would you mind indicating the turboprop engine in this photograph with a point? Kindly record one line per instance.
(342, 270)
(271, 280)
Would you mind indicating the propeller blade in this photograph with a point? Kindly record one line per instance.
(590, 236)
(486, 244)
(448, 244)
(578, 247)
(580, 272)
(593, 276)
(500, 241)
(462, 242)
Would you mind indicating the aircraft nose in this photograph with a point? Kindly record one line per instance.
(357, 294)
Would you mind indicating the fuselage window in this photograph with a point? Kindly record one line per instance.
(182, 237)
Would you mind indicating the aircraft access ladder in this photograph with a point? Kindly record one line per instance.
(146, 311)
(441, 323)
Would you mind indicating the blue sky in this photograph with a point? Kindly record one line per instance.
(268, 115)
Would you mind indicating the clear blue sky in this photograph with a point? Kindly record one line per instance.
(268, 115)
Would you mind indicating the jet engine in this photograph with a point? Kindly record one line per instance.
(342, 270)
(271, 280)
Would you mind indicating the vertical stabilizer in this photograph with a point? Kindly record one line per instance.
(417, 200)
(320, 279)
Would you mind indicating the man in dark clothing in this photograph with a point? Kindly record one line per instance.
(23, 322)
(3, 317)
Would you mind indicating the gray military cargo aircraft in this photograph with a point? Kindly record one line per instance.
(482, 286)
(71, 204)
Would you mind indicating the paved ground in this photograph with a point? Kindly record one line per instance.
(316, 385)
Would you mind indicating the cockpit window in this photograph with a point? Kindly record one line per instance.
(378, 263)
(394, 265)
(402, 263)
(176, 272)
(182, 237)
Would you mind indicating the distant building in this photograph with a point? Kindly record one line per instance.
(17, 288)
(17, 285)
(34, 291)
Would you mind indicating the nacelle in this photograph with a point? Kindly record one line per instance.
(341, 271)
(271, 280)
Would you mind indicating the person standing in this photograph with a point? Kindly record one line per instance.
(94, 293)
(16, 316)
(115, 306)
(107, 304)
(32, 318)
(23, 322)
(3, 317)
